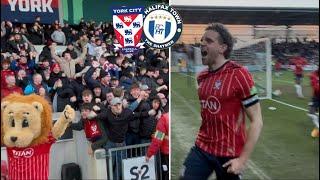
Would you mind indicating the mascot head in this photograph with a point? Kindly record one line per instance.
(25, 120)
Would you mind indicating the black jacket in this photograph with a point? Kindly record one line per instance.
(35, 36)
(64, 94)
(149, 81)
(45, 54)
(53, 78)
(22, 83)
(116, 126)
(139, 116)
(78, 88)
(148, 123)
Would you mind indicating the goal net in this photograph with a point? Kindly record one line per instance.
(254, 54)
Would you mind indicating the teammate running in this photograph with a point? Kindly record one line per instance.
(299, 63)
(314, 105)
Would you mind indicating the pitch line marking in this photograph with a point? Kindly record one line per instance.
(253, 167)
(287, 104)
(290, 105)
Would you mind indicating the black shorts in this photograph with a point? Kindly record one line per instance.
(315, 102)
(199, 165)
(299, 77)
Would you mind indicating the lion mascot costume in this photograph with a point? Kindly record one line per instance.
(28, 132)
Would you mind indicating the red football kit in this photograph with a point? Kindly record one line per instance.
(29, 163)
(298, 62)
(314, 79)
(223, 93)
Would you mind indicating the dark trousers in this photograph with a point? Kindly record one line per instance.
(132, 138)
(116, 158)
(199, 165)
(165, 166)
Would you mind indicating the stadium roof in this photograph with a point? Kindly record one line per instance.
(255, 12)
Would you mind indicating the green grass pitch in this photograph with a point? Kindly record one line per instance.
(285, 149)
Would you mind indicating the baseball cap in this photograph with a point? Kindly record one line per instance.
(115, 101)
(104, 74)
(96, 85)
(114, 78)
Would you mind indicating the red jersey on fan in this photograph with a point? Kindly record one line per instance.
(314, 79)
(299, 63)
(5, 91)
(223, 93)
(4, 74)
(30, 162)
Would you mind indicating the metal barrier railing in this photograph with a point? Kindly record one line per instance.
(101, 165)
(136, 153)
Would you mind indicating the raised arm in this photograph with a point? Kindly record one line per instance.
(53, 53)
(83, 54)
(62, 123)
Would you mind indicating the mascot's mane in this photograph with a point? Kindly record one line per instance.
(46, 115)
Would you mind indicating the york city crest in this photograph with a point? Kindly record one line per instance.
(217, 84)
(128, 24)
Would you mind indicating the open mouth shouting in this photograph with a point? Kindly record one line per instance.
(204, 54)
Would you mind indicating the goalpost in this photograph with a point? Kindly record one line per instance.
(255, 55)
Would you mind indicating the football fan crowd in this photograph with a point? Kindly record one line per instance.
(125, 95)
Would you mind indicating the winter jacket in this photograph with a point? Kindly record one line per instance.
(58, 37)
(45, 54)
(149, 81)
(160, 139)
(28, 67)
(35, 36)
(141, 122)
(69, 67)
(23, 83)
(64, 94)
(116, 125)
(31, 88)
